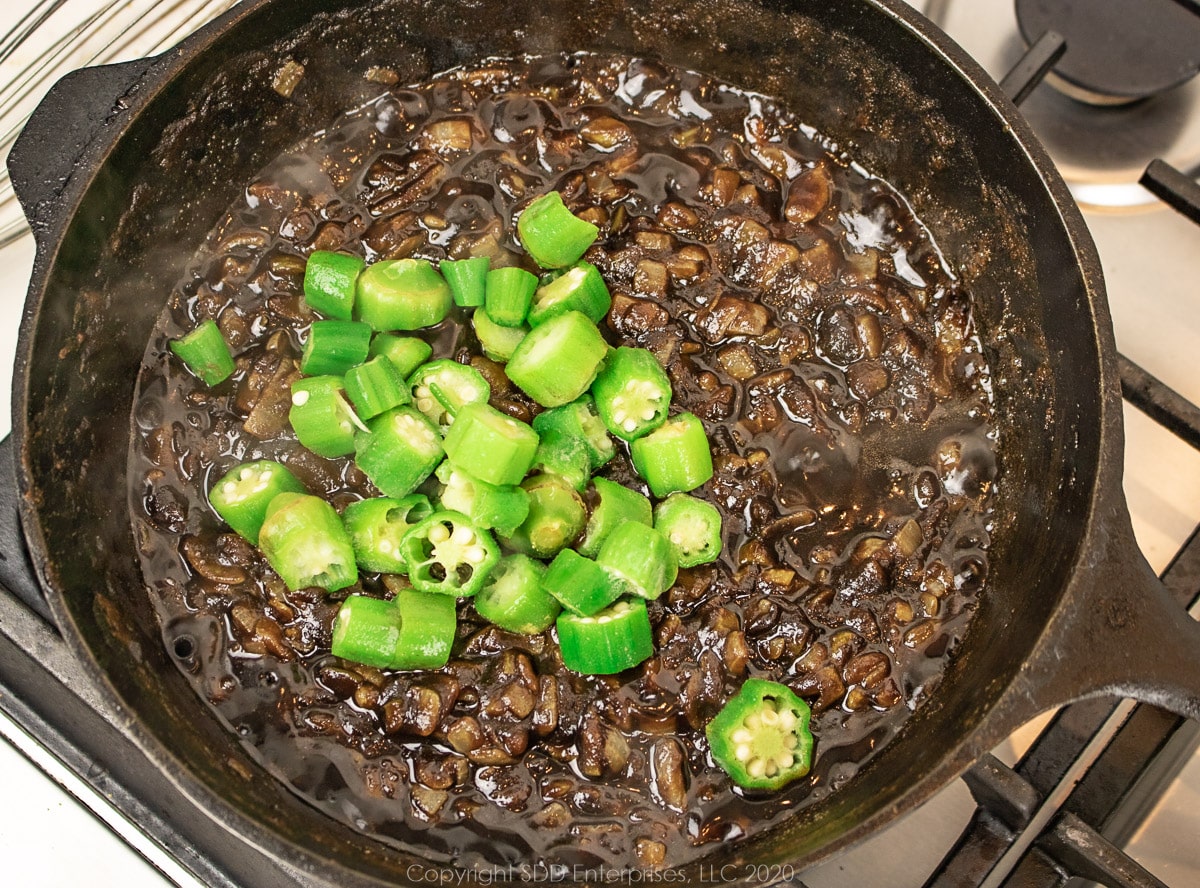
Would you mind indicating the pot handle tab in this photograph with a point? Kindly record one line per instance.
(1121, 632)
(79, 117)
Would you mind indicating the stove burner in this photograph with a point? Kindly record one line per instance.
(1118, 51)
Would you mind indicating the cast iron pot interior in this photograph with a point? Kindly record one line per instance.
(156, 150)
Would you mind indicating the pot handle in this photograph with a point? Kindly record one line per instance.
(68, 127)
(1119, 632)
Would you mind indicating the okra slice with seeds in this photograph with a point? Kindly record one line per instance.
(491, 446)
(761, 737)
(632, 393)
(692, 525)
(440, 389)
(242, 495)
(322, 418)
(608, 642)
(378, 525)
(579, 420)
(449, 555)
(306, 543)
(498, 507)
(512, 597)
(400, 449)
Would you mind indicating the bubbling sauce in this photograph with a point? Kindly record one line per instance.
(803, 313)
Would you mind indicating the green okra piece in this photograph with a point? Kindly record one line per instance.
(512, 597)
(557, 361)
(553, 235)
(377, 525)
(206, 353)
(642, 557)
(399, 450)
(692, 525)
(496, 507)
(675, 457)
(307, 545)
(613, 505)
(491, 446)
(556, 516)
(329, 283)
(243, 494)
(402, 294)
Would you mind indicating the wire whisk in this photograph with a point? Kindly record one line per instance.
(57, 36)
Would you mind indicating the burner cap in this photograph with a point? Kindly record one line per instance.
(1117, 50)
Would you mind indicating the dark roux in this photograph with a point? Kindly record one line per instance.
(803, 313)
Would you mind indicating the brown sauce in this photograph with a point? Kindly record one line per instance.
(802, 312)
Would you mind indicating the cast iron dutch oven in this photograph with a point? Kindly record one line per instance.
(124, 169)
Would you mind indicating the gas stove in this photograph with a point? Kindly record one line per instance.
(1101, 791)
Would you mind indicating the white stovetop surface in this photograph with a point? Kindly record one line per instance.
(49, 840)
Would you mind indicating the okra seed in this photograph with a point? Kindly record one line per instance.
(753, 722)
(300, 398)
(629, 425)
(757, 768)
(743, 752)
(464, 536)
(741, 735)
(787, 720)
(770, 717)
(648, 414)
(475, 555)
(786, 760)
(438, 533)
(619, 416)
